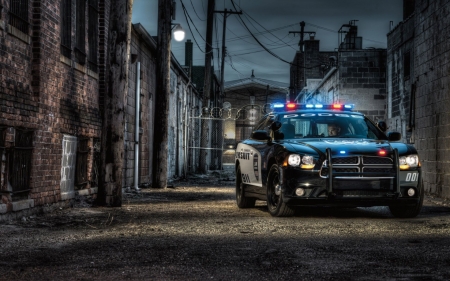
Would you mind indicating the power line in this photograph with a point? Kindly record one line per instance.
(196, 11)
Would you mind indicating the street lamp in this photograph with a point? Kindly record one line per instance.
(178, 32)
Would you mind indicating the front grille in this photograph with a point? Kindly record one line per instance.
(361, 185)
(359, 166)
(386, 170)
(363, 193)
(345, 160)
(371, 160)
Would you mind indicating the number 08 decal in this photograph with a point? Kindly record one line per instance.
(412, 177)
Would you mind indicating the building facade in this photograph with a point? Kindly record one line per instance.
(52, 60)
(418, 83)
(353, 75)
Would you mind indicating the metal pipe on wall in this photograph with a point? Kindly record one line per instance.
(136, 128)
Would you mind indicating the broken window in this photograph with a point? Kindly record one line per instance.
(18, 15)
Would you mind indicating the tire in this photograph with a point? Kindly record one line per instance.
(242, 201)
(409, 211)
(275, 204)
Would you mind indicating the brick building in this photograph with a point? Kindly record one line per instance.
(353, 75)
(52, 61)
(419, 80)
(309, 63)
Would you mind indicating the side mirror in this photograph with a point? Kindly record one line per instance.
(382, 125)
(260, 135)
(275, 126)
(394, 136)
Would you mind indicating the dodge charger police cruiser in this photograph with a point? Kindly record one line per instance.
(326, 155)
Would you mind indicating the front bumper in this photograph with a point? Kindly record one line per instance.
(376, 190)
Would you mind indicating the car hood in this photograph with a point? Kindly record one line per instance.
(345, 146)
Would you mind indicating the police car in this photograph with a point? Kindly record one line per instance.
(326, 155)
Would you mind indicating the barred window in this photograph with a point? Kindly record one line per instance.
(66, 27)
(80, 48)
(18, 15)
(81, 178)
(93, 35)
(20, 165)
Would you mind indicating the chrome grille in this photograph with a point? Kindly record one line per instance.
(360, 165)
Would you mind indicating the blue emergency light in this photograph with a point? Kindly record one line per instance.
(297, 106)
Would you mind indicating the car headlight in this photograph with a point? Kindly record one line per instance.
(409, 161)
(294, 160)
(305, 162)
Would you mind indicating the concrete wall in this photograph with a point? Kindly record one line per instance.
(431, 75)
(400, 79)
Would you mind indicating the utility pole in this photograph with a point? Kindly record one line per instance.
(160, 148)
(206, 90)
(207, 85)
(115, 102)
(222, 66)
(301, 43)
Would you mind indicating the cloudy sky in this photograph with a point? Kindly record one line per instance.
(270, 21)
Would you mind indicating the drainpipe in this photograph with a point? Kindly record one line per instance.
(136, 128)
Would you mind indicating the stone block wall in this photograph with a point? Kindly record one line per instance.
(432, 77)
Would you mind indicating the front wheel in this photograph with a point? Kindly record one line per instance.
(241, 200)
(275, 204)
(409, 211)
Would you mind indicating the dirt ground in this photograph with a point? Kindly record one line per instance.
(194, 231)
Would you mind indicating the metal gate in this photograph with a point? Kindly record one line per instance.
(225, 128)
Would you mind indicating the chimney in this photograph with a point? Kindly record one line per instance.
(408, 8)
(188, 54)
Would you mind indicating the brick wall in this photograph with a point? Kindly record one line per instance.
(47, 93)
(432, 67)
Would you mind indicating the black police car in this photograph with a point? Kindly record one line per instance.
(326, 155)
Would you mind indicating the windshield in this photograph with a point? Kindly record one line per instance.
(330, 125)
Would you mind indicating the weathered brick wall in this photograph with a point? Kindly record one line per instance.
(48, 93)
(145, 55)
(432, 67)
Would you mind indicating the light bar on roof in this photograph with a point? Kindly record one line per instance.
(297, 106)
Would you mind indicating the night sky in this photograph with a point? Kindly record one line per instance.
(271, 21)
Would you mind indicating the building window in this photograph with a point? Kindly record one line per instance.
(2, 159)
(66, 27)
(407, 65)
(18, 15)
(81, 178)
(20, 162)
(93, 35)
(80, 48)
